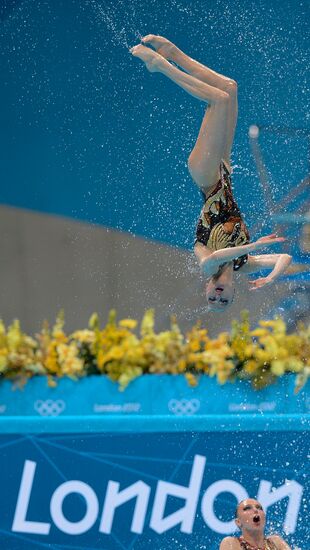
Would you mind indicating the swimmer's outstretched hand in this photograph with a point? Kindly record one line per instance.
(268, 240)
(259, 283)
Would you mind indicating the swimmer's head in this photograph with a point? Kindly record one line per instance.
(220, 290)
(250, 515)
(219, 296)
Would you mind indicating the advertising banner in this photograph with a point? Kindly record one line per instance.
(149, 395)
(144, 490)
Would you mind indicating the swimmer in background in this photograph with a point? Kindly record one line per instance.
(251, 519)
(222, 244)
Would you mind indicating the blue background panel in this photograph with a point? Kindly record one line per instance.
(150, 395)
(249, 459)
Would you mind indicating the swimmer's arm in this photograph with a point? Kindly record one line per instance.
(279, 263)
(265, 261)
(210, 261)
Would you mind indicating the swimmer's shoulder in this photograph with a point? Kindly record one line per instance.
(278, 542)
(202, 252)
(203, 249)
(230, 543)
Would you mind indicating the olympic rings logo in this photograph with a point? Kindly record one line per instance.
(184, 407)
(49, 407)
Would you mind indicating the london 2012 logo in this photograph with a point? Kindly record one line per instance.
(49, 407)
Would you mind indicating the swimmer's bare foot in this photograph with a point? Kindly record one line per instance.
(152, 60)
(163, 46)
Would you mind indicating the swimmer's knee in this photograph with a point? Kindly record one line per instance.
(231, 87)
(221, 97)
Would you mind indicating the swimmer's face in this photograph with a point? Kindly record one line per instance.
(219, 295)
(250, 515)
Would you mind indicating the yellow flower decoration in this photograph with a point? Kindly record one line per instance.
(260, 355)
(128, 323)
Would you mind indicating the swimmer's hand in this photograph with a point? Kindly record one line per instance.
(268, 240)
(259, 283)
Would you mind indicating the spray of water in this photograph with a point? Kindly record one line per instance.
(107, 16)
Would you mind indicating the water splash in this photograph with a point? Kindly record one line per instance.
(106, 15)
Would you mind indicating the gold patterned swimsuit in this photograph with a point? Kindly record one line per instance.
(220, 223)
(268, 544)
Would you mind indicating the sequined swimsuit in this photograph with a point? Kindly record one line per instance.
(220, 224)
(269, 545)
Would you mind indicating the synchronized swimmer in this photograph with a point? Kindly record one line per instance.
(250, 518)
(222, 246)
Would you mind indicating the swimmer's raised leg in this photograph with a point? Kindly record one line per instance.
(171, 52)
(211, 143)
(156, 63)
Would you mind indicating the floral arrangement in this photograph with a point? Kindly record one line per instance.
(121, 353)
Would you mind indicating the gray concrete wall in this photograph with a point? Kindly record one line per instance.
(49, 263)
